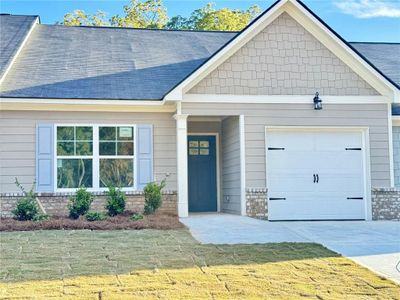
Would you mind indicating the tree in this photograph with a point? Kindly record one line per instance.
(142, 14)
(153, 14)
(209, 18)
(80, 18)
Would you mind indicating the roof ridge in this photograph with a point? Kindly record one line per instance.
(141, 29)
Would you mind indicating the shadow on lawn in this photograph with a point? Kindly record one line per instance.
(37, 255)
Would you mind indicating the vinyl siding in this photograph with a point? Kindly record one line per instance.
(283, 59)
(257, 116)
(396, 154)
(230, 165)
(17, 141)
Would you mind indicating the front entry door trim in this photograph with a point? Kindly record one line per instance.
(216, 134)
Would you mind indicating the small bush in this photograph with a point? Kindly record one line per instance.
(80, 203)
(26, 208)
(152, 196)
(137, 217)
(95, 216)
(115, 201)
(40, 218)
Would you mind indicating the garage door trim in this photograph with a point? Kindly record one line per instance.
(366, 155)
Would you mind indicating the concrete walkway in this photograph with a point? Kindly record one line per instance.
(375, 245)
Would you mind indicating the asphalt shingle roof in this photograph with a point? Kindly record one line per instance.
(107, 63)
(13, 30)
(384, 56)
(121, 63)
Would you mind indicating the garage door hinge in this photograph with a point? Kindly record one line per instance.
(273, 199)
(355, 198)
(276, 148)
(353, 149)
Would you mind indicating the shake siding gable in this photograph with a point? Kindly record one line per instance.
(284, 59)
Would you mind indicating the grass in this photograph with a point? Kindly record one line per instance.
(152, 264)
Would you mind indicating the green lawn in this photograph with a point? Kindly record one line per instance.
(171, 264)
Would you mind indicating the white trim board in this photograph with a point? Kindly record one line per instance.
(311, 24)
(284, 99)
(366, 155)
(218, 164)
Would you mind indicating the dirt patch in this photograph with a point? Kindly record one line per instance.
(157, 221)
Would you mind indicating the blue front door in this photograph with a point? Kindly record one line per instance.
(202, 173)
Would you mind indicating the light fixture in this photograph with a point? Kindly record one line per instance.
(317, 102)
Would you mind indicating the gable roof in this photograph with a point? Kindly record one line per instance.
(59, 62)
(384, 56)
(309, 20)
(14, 30)
(107, 63)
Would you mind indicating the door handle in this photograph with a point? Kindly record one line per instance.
(317, 178)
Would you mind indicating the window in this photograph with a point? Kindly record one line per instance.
(116, 156)
(95, 156)
(74, 157)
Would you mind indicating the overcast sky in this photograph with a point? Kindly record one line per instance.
(355, 20)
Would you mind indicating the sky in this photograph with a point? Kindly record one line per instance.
(354, 20)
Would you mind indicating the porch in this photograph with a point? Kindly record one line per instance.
(210, 160)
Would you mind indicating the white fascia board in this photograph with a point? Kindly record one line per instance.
(341, 49)
(288, 99)
(86, 105)
(240, 40)
(19, 50)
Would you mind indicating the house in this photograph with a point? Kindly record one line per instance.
(232, 120)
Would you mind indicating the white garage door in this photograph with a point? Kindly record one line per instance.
(315, 175)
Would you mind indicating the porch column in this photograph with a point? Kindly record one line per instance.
(182, 165)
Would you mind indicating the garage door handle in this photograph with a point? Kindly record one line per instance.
(317, 178)
(275, 199)
(355, 198)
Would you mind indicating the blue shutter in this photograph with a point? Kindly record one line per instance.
(144, 155)
(44, 158)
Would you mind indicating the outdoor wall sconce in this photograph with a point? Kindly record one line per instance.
(317, 102)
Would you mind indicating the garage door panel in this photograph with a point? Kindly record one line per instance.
(339, 190)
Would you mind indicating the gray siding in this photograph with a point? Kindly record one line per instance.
(283, 59)
(396, 155)
(231, 165)
(257, 116)
(17, 141)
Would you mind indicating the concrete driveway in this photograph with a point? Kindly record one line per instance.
(375, 245)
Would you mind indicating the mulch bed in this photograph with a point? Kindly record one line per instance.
(157, 221)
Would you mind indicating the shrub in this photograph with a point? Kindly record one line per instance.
(40, 218)
(115, 201)
(80, 203)
(26, 208)
(95, 216)
(137, 217)
(152, 196)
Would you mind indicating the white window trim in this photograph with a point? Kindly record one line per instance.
(95, 157)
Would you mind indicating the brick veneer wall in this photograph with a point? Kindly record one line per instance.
(256, 203)
(55, 204)
(386, 204)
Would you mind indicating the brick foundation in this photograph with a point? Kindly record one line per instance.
(386, 204)
(55, 204)
(256, 203)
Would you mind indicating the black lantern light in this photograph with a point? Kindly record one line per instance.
(317, 102)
